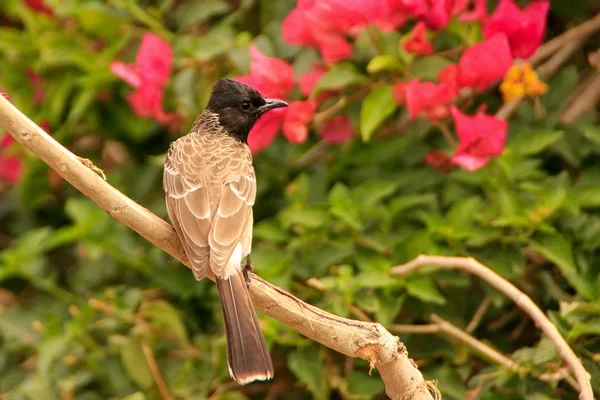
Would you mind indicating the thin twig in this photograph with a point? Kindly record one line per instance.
(585, 101)
(479, 313)
(366, 340)
(472, 266)
(155, 370)
(577, 33)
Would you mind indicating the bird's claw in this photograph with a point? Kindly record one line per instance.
(248, 268)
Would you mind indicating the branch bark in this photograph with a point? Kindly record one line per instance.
(474, 267)
(366, 340)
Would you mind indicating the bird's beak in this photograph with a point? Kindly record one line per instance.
(271, 104)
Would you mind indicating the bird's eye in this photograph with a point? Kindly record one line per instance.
(245, 106)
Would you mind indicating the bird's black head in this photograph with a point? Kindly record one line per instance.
(239, 107)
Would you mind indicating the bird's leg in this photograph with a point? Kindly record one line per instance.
(248, 268)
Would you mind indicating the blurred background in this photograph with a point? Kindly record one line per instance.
(357, 177)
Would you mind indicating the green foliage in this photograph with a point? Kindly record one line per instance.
(80, 293)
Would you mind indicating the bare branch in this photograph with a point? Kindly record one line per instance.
(472, 266)
(367, 340)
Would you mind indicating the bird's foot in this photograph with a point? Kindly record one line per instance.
(248, 268)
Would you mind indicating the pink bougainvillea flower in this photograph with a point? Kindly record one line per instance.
(449, 76)
(439, 160)
(319, 24)
(399, 93)
(11, 165)
(297, 117)
(427, 97)
(264, 132)
(149, 74)
(271, 76)
(439, 13)
(339, 129)
(308, 80)
(484, 63)
(524, 28)
(480, 138)
(153, 63)
(477, 12)
(325, 24)
(413, 8)
(418, 43)
(40, 7)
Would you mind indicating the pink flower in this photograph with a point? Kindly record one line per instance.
(297, 117)
(399, 93)
(149, 74)
(271, 76)
(439, 13)
(427, 97)
(484, 63)
(264, 132)
(11, 165)
(414, 8)
(417, 43)
(524, 28)
(317, 24)
(40, 7)
(325, 24)
(449, 76)
(477, 13)
(308, 80)
(480, 138)
(338, 130)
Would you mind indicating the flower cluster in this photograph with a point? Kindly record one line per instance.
(331, 26)
(148, 75)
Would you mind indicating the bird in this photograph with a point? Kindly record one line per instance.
(210, 188)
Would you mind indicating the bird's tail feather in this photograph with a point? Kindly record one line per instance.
(247, 353)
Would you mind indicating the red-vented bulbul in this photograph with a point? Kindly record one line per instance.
(210, 188)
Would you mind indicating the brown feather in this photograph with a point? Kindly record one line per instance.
(247, 353)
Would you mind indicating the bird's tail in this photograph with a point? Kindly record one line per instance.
(247, 353)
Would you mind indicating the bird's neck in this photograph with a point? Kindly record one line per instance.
(207, 123)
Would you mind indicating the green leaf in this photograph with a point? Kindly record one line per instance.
(427, 68)
(364, 384)
(308, 217)
(585, 196)
(384, 62)
(49, 351)
(194, 13)
(340, 76)
(592, 133)
(558, 250)
(135, 396)
(373, 191)
(135, 364)
(165, 317)
(527, 143)
(581, 329)
(343, 207)
(377, 106)
(423, 288)
(306, 364)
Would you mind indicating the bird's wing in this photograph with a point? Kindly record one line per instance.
(233, 215)
(188, 203)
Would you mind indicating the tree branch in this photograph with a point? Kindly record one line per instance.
(472, 266)
(366, 340)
